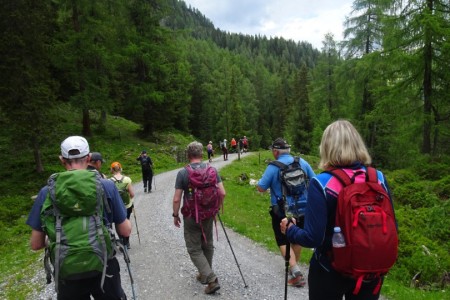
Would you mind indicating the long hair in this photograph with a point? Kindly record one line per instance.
(342, 146)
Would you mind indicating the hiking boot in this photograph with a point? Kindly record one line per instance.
(128, 246)
(298, 281)
(212, 287)
(145, 190)
(201, 279)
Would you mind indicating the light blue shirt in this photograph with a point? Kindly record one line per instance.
(271, 178)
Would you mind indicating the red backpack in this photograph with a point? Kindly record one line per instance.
(204, 199)
(366, 217)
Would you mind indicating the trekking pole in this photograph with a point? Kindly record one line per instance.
(226, 235)
(137, 228)
(124, 251)
(154, 181)
(287, 256)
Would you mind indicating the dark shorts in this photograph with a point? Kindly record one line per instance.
(280, 238)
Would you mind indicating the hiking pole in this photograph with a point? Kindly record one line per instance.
(287, 257)
(137, 228)
(226, 235)
(124, 251)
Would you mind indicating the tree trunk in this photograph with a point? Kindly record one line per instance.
(427, 87)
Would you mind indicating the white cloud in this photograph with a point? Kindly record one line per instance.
(299, 20)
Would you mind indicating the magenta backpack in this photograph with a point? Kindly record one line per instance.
(203, 199)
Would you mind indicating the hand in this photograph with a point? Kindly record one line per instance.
(286, 223)
(177, 221)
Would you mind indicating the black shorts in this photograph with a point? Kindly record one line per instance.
(280, 238)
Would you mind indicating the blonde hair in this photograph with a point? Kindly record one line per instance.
(195, 150)
(342, 145)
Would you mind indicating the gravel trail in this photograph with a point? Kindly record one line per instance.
(161, 267)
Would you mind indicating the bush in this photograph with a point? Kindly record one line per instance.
(416, 194)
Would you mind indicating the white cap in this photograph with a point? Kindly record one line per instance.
(74, 147)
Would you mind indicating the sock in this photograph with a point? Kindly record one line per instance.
(295, 271)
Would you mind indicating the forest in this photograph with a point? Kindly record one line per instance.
(165, 66)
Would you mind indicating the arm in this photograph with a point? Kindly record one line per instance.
(221, 190)
(37, 240)
(124, 228)
(316, 217)
(176, 207)
(130, 190)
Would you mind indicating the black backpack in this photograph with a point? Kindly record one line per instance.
(294, 182)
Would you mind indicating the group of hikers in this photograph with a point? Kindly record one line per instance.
(240, 146)
(306, 210)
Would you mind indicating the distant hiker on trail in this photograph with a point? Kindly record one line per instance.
(125, 187)
(233, 145)
(202, 191)
(147, 170)
(343, 148)
(209, 149)
(96, 163)
(271, 179)
(244, 144)
(224, 149)
(70, 208)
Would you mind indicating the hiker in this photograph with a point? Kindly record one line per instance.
(233, 145)
(209, 149)
(123, 184)
(75, 157)
(147, 170)
(341, 147)
(245, 144)
(96, 163)
(198, 235)
(224, 149)
(271, 180)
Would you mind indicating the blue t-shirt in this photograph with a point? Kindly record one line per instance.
(271, 178)
(117, 215)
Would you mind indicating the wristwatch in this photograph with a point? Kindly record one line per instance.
(174, 215)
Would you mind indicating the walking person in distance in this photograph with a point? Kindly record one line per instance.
(62, 203)
(147, 170)
(199, 219)
(342, 149)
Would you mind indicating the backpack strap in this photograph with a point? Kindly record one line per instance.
(341, 176)
(372, 175)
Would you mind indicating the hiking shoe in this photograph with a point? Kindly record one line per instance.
(128, 246)
(212, 287)
(145, 190)
(201, 279)
(298, 281)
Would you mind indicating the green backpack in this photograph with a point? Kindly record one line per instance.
(72, 217)
(123, 190)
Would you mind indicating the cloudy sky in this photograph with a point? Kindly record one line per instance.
(299, 20)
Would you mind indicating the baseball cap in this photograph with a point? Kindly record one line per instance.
(144, 151)
(280, 143)
(74, 147)
(95, 156)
